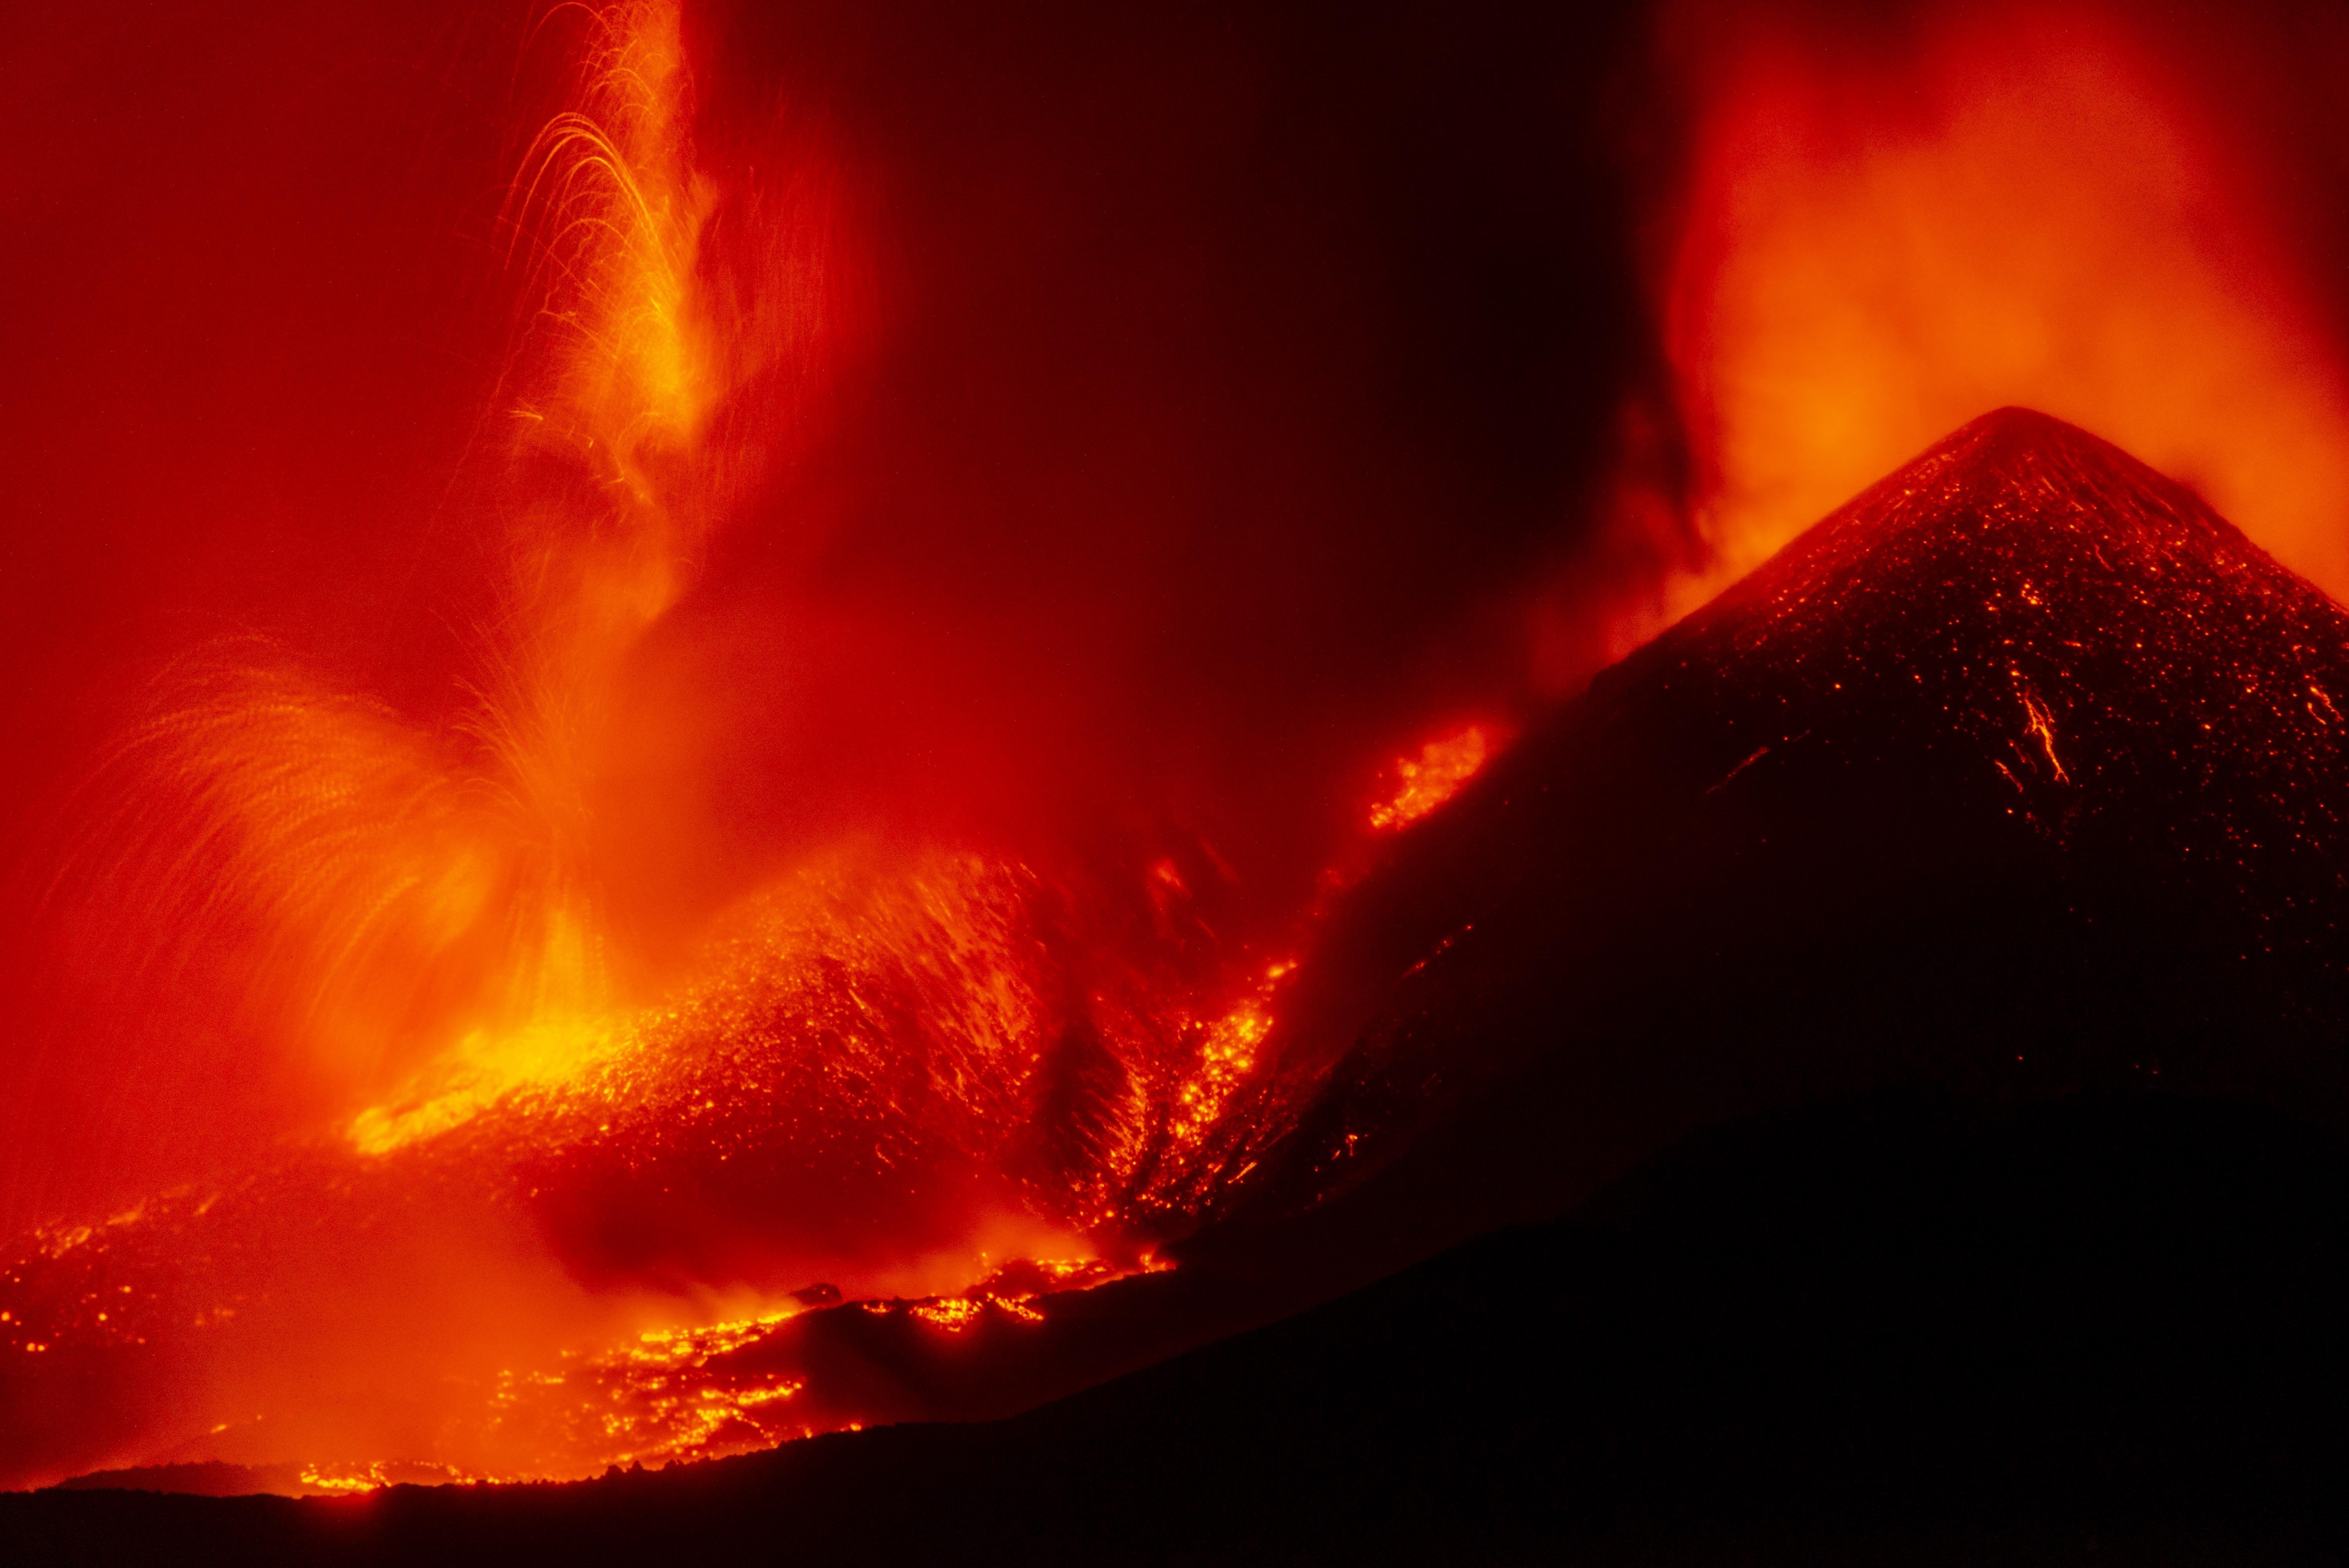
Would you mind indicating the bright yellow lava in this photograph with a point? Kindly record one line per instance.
(1443, 766)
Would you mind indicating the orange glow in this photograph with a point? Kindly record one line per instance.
(420, 914)
(1434, 777)
(2013, 205)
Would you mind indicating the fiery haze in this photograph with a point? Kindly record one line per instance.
(419, 909)
(786, 715)
(1895, 223)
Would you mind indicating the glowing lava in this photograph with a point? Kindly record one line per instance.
(1434, 777)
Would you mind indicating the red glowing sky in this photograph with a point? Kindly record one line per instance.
(1239, 405)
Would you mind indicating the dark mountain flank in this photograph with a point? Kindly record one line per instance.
(2022, 774)
(1867, 1081)
(2103, 1329)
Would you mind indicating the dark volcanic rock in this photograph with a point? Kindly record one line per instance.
(2020, 774)
(1894, 1329)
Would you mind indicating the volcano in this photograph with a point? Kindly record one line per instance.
(1917, 981)
(2020, 775)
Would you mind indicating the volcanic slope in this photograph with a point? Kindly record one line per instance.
(2022, 773)
(1891, 1329)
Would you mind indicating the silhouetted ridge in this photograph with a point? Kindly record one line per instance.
(2009, 475)
(1892, 1329)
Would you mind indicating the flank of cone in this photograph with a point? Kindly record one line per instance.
(2022, 773)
